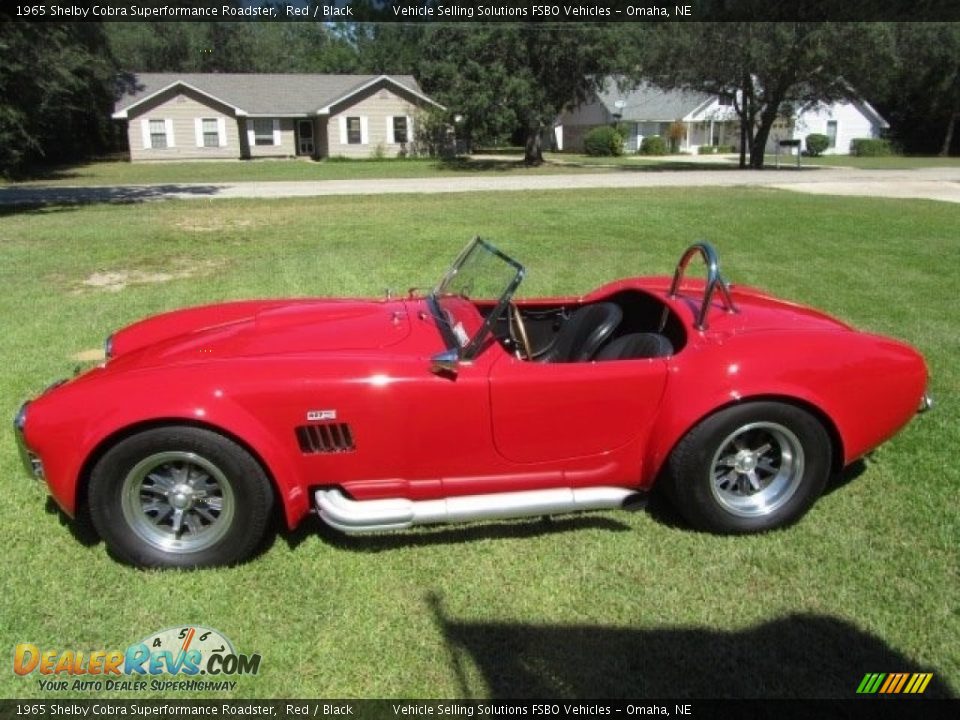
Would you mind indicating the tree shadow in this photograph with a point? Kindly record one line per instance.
(801, 656)
(454, 534)
(25, 199)
(461, 163)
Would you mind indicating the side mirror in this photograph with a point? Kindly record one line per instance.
(446, 363)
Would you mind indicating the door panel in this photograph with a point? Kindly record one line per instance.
(543, 412)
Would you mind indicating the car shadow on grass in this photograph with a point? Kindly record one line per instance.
(80, 527)
(802, 655)
(840, 480)
(662, 511)
(453, 534)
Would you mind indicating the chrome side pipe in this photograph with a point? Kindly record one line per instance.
(356, 516)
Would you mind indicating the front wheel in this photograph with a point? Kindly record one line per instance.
(179, 497)
(749, 468)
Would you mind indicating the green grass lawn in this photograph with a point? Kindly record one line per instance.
(612, 603)
(119, 172)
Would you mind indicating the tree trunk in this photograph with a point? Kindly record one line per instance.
(533, 150)
(743, 143)
(948, 138)
(758, 147)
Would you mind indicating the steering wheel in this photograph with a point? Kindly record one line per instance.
(523, 350)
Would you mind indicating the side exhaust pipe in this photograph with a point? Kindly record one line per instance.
(357, 516)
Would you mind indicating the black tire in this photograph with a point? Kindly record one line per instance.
(779, 459)
(179, 497)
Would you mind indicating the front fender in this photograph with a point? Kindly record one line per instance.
(71, 426)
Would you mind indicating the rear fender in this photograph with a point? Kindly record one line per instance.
(863, 387)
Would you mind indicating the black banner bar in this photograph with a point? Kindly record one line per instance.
(873, 708)
(430, 11)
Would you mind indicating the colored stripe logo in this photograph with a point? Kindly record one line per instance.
(894, 683)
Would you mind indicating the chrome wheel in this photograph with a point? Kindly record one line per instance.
(757, 469)
(178, 501)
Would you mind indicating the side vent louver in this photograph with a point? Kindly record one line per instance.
(325, 438)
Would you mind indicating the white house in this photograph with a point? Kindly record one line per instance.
(842, 122)
(706, 119)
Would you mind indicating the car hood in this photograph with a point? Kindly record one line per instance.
(257, 328)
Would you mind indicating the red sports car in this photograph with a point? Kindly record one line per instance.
(460, 404)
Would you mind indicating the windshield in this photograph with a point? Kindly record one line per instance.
(482, 274)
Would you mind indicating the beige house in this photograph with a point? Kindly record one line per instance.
(192, 116)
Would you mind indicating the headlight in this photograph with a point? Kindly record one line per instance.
(20, 420)
(31, 462)
(108, 347)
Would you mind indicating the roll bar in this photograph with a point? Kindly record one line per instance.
(714, 280)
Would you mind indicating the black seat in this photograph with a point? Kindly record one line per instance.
(584, 332)
(635, 346)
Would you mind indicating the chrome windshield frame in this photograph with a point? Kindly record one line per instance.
(472, 347)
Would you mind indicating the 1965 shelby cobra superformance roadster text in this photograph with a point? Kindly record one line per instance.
(461, 404)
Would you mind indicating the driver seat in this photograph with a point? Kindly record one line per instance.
(583, 333)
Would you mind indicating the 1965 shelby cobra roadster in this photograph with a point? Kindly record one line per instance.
(461, 404)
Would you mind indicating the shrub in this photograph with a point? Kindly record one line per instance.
(871, 147)
(707, 150)
(653, 145)
(816, 144)
(603, 140)
(676, 133)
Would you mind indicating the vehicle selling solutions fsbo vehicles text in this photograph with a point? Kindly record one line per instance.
(538, 11)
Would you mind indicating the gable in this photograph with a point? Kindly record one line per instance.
(380, 92)
(180, 100)
(274, 95)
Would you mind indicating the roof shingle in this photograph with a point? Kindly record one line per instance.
(261, 94)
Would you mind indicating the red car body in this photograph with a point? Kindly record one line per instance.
(263, 372)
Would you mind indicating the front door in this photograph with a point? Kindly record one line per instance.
(305, 137)
(544, 412)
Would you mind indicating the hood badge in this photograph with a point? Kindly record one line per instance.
(317, 415)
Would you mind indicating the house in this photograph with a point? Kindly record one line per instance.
(704, 119)
(646, 110)
(180, 116)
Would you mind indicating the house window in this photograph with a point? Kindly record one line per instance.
(158, 134)
(211, 135)
(354, 134)
(400, 129)
(725, 100)
(263, 131)
(832, 133)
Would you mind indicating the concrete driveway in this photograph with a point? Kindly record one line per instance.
(928, 183)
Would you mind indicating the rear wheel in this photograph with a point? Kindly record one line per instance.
(179, 497)
(749, 468)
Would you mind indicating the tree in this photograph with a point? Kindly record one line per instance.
(924, 99)
(764, 66)
(241, 47)
(500, 77)
(56, 91)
